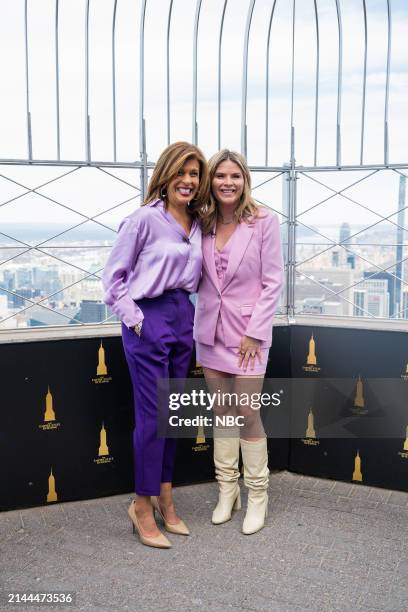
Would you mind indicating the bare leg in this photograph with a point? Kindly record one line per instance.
(167, 504)
(251, 387)
(219, 382)
(145, 517)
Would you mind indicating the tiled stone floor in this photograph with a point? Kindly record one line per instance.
(326, 546)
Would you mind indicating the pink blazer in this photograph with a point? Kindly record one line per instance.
(249, 294)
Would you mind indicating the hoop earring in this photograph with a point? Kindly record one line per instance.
(163, 192)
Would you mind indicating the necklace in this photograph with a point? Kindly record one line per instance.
(225, 222)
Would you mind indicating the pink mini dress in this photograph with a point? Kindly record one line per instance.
(220, 357)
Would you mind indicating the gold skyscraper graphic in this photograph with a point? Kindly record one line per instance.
(311, 358)
(103, 447)
(101, 370)
(310, 431)
(200, 435)
(406, 440)
(52, 494)
(357, 475)
(359, 397)
(49, 414)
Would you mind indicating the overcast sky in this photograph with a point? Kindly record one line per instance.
(41, 17)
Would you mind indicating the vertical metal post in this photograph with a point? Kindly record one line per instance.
(387, 84)
(339, 85)
(316, 119)
(292, 87)
(114, 80)
(195, 73)
(220, 74)
(27, 83)
(363, 104)
(168, 71)
(292, 211)
(87, 118)
(57, 86)
(268, 43)
(142, 125)
(244, 142)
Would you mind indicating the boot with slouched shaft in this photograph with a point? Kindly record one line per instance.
(226, 457)
(256, 478)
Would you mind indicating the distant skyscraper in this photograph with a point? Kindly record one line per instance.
(377, 298)
(359, 309)
(384, 276)
(404, 314)
(92, 311)
(335, 259)
(345, 233)
(351, 260)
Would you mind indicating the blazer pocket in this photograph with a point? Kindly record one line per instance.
(246, 311)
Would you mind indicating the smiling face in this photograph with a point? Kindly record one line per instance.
(184, 187)
(228, 184)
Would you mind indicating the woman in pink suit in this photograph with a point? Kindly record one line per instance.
(238, 295)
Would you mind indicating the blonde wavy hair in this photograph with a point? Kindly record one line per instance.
(247, 209)
(170, 162)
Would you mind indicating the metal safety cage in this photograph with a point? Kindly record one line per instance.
(100, 87)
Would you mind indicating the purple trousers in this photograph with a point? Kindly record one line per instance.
(163, 350)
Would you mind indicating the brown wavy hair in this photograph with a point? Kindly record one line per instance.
(247, 209)
(171, 160)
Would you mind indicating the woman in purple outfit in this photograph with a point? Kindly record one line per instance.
(154, 265)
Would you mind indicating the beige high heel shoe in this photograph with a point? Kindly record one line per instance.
(159, 541)
(179, 528)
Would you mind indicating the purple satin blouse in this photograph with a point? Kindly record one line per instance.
(151, 254)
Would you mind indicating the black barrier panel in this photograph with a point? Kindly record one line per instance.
(67, 416)
(66, 428)
(67, 422)
(279, 366)
(360, 356)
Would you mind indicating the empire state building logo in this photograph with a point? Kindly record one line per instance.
(200, 441)
(52, 493)
(359, 404)
(311, 360)
(404, 452)
(357, 474)
(101, 368)
(103, 451)
(310, 439)
(50, 421)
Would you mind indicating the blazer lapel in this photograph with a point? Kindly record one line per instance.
(208, 258)
(240, 238)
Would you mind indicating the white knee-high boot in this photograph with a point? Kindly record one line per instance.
(226, 456)
(256, 478)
